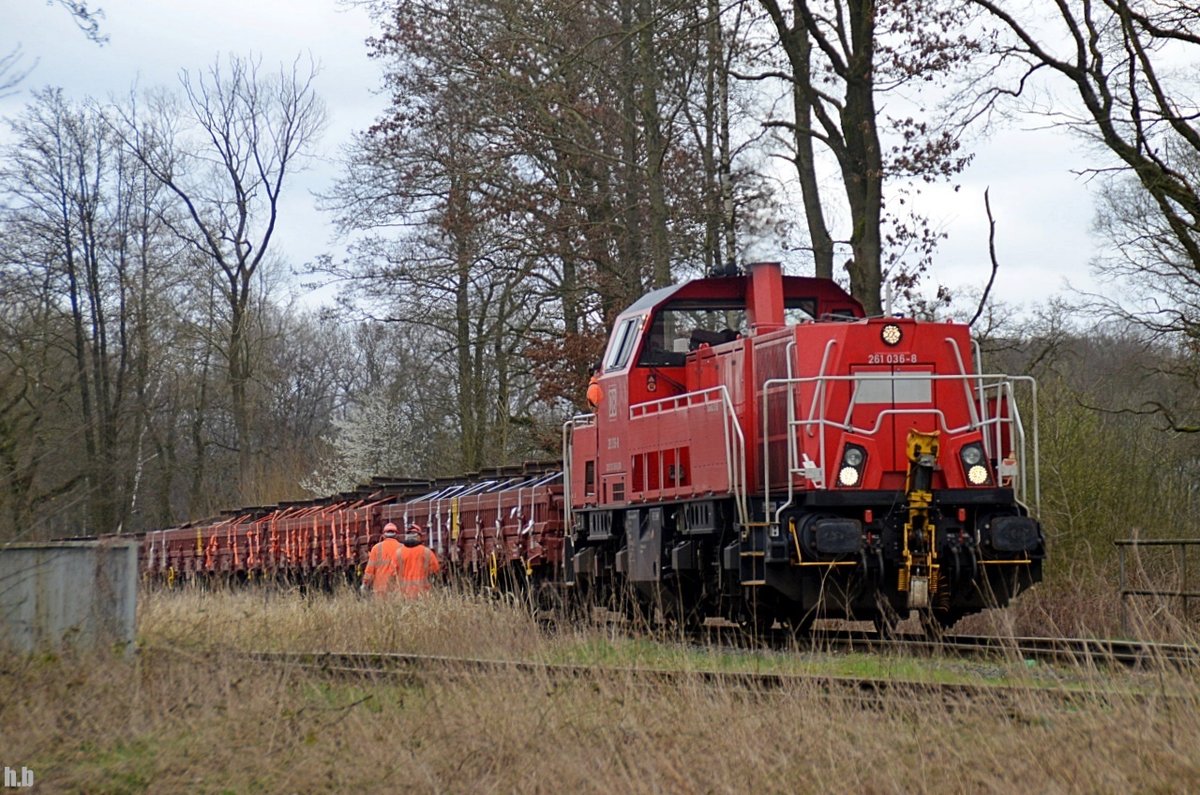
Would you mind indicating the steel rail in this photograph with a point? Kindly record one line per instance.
(867, 691)
(1087, 651)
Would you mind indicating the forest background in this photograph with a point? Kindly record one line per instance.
(539, 166)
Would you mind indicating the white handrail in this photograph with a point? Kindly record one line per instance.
(734, 436)
(568, 434)
(819, 398)
(1001, 383)
(962, 369)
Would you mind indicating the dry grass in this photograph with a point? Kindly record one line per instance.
(269, 620)
(191, 720)
(1082, 599)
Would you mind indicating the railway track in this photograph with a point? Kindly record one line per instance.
(1075, 651)
(867, 692)
(1085, 651)
(1089, 652)
(416, 667)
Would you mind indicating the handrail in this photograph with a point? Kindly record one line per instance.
(792, 442)
(962, 368)
(1001, 384)
(1181, 592)
(568, 433)
(820, 396)
(983, 407)
(734, 436)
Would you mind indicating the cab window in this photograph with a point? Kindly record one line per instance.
(621, 345)
(683, 326)
(799, 310)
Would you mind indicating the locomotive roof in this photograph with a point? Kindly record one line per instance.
(829, 296)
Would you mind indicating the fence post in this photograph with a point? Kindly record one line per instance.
(1123, 595)
(1182, 589)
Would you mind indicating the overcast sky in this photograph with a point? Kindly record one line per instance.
(1043, 211)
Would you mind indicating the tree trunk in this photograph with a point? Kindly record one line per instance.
(239, 380)
(660, 259)
(800, 53)
(862, 168)
(631, 284)
(728, 218)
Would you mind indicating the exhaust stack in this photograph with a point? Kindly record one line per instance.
(764, 298)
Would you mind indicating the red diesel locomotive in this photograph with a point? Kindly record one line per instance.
(762, 452)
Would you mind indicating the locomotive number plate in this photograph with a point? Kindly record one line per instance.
(892, 358)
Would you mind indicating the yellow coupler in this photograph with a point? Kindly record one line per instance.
(919, 575)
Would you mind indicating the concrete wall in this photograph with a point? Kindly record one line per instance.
(68, 593)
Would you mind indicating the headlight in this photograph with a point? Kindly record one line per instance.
(978, 475)
(891, 334)
(972, 454)
(853, 457)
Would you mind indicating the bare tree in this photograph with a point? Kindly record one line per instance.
(599, 154)
(12, 71)
(1159, 295)
(505, 193)
(393, 421)
(1131, 68)
(86, 19)
(1124, 60)
(450, 267)
(738, 197)
(81, 231)
(247, 132)
(840, 55)
(36, 392)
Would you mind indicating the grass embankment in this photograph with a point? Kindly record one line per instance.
(191, 720)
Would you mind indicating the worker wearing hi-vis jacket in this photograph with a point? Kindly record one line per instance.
(417, 564)
(383, 564)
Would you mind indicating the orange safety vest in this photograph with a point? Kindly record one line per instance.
(594, 393)
(383, 566)
(416, 565)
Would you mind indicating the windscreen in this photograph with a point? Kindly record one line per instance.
(683, 326)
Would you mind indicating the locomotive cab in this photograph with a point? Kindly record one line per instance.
(648, 351)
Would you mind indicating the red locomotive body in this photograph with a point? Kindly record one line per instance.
(762, 451)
